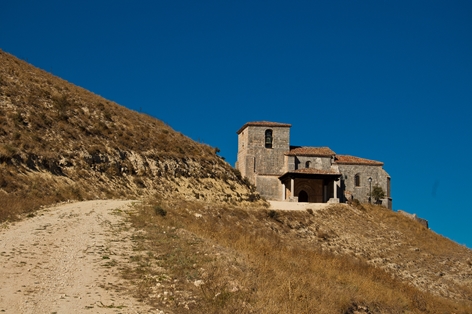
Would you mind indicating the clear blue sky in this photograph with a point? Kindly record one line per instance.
(388, 80)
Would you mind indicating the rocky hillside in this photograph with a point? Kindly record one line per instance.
(391, 241)
(59, 142)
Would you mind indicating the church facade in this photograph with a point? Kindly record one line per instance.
(283, 172)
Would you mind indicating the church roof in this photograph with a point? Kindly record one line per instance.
(352, 160)
(311, 173)
(310, 151)
(315, 171)
(263, 123)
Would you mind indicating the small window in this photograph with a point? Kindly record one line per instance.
(268, 138)
(357, 180)
(308, 164)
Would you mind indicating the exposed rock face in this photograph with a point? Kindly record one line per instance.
(133, 174)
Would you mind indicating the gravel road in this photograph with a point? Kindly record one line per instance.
(65, 259)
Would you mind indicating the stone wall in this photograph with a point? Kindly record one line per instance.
(241, 162)
(422, 221)
(269, 187)
(290, 163)
(323, 163)
(255, 159)
(379, 177)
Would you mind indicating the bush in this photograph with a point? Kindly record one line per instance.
(377, 194)
(357, 204)
(159, 211)
(253, 197)
(273, 214)
(139, 182)
(237, 173)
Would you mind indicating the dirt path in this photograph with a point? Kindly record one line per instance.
(66, 260)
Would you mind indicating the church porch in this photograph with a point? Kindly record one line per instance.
(311, 186)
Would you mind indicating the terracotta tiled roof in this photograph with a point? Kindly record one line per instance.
(310, 171)
(315, 171)
(311, 151)
(351, 160)
(263, 123)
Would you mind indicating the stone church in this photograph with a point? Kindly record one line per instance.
(282, 172)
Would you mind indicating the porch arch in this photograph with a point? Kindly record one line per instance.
(319, 187)
(302, 197)
(309, 191)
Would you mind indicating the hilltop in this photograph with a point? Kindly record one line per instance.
(202, 239)
(60, 142)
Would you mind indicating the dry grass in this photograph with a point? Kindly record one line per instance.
(42, 114)
(15, 206)
(248, 263)
(23, 194)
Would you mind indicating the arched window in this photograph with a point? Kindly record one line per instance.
(308, 164)
(357, 180)
(268, 138)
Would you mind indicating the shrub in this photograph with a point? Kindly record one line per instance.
(253, 197)
(273, 214)
(159, 211)
(237, 173)
(139, 182)
(377, 193)
(357, 204)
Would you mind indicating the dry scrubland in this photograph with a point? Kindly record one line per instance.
(203, 240)
(226, 259)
